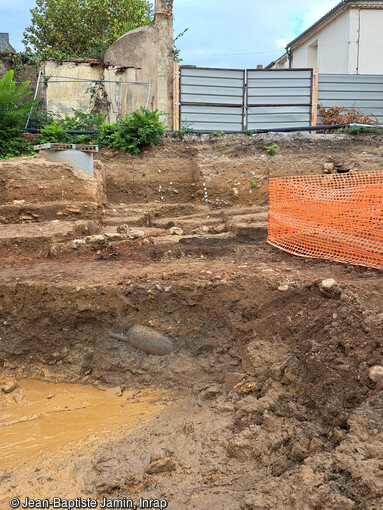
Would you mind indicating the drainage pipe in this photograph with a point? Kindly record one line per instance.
(253, 131)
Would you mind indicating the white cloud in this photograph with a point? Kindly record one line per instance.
(281, 43)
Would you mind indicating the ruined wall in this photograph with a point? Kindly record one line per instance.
(76, 85)
(64, 92)
(141, 56)
(142, 60)
(147, 53)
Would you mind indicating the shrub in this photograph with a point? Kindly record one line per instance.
(14, 110)
(83, 121)
(140, 129)
(54, 133)
(40, 118)
(105, 138)
(13, 147)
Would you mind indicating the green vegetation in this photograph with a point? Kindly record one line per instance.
(140, 129)
(186, 128)
(14, 110)
(253, 183)
(271, 149)
(82, 28)
(81, 121)
(53, 133)
(357, 130)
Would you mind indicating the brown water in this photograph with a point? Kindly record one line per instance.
(41, 417)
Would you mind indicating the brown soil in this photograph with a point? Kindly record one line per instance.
(271, 407)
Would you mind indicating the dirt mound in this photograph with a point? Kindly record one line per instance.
(32, 188)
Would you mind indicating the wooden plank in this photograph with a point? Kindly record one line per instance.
(176, 96)
(314, 97)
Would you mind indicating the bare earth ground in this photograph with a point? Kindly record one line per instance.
(265, 401)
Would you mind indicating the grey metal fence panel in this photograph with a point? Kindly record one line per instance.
(212, 118)
(279, 87)
(278, 98)
(282, 116)
(361, 91)
(212, 99)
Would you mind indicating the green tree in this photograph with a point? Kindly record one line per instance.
(82, 28)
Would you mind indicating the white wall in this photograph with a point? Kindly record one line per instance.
(351, 44)
(371, 42)
(333, 46)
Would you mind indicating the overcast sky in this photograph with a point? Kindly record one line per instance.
(222, 33)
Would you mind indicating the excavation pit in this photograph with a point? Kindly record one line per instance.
(265, 400)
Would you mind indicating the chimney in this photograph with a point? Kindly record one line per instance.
(163, 8)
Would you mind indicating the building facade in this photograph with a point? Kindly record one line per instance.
(347, 40)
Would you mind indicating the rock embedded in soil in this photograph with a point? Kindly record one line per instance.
(328, 168)
(116, 391)
(376, 375)
(123, 229)
(175, 231)
(211, 391)
(204, 229)
(232, 379)
(9, 386)
(163, 465)
(330, 288)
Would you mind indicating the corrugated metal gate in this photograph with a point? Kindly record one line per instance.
(233, 100)
(212, 99)
(278, 98)
(361, 91)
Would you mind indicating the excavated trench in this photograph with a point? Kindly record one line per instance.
(264, 402)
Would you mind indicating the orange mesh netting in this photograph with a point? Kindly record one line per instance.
(337, 217)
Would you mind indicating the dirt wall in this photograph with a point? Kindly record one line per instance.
(232, 168)
(36, 187)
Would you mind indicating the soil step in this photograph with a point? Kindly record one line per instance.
(157, 209)
(40, 212)
(252, 227)
(131, 220)
(38, 236)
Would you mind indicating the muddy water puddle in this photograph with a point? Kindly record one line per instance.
(41, 417)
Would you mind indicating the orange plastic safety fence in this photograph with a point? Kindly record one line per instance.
(337, 217)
